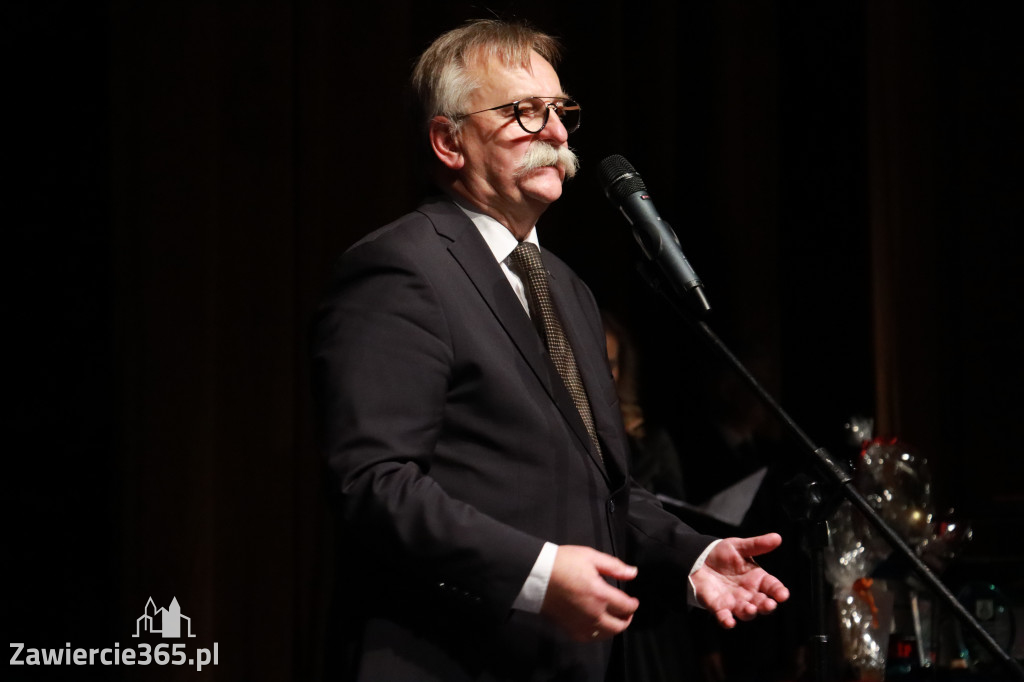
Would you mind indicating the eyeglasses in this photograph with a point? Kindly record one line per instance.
(532, 113)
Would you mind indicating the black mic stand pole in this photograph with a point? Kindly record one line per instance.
(810, 504)
(839, 479)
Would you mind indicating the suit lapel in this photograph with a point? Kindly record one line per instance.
(471, 252)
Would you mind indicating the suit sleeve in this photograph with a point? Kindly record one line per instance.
(664, 547)
(382, 368)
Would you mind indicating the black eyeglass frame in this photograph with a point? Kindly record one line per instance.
(554, 103)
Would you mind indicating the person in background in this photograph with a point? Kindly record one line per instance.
(661, 644)
(655, 460)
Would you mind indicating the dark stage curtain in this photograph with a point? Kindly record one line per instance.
(844, 177)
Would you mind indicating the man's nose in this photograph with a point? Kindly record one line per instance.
(554, 132)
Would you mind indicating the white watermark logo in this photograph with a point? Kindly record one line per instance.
(169, 623)
(169, 620)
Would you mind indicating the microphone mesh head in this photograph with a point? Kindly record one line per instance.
(618, 178)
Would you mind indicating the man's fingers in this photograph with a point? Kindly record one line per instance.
(608, 626)
(620, 604)
(774, 588)
(580, 597)
(763, 604)
(613, 567)
(746, 611)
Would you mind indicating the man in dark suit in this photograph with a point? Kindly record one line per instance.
(470, 421)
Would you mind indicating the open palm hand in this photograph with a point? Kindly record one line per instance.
(731, 584)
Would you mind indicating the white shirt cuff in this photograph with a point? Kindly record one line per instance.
(531, 597)
(691, 594)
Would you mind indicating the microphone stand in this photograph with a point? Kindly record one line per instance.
(838, 479)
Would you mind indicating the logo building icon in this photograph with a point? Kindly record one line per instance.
(167, 621)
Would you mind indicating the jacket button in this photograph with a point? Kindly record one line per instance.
(611, 506)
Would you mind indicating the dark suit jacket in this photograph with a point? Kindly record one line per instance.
(456, 451)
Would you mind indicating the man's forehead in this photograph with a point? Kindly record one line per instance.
(494, 72)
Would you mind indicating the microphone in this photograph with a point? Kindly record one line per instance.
(627, 192)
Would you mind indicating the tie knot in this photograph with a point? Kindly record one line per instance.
(525, 259)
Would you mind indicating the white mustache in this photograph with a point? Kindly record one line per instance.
(542, 154)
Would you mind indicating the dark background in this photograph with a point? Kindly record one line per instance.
(845, 177)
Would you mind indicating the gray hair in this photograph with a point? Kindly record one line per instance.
(442, 76)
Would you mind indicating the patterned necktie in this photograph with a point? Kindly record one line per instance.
(525, 261)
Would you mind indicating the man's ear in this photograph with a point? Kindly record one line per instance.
(446, 143)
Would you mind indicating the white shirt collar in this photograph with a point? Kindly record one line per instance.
(499, 238)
